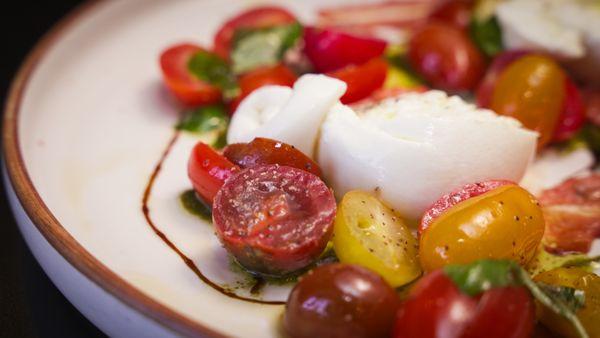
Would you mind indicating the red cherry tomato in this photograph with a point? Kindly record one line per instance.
(445, 56)
(454, 12)
(274, 219)
(188, 89)
(329, 50)
(258, 17)
(208, 171)
(573, 113)
(449, 200)
(485, 89)
(437, 308)
(361, 80)
(266, 151)
(275, 75)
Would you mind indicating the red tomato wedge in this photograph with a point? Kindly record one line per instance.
(276, 75)
(572, 214)
(274, 219)
(329, 50)
(362, 80)
(449, 200)
(188, 89)
(208, 171)
(572, 117)
(258, 17)
(266, 151)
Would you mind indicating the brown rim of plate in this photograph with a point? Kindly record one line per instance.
(43, 218)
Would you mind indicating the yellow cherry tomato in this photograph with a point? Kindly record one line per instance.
(589, 314)
(504, 223)
(532, 90)
(368, 233)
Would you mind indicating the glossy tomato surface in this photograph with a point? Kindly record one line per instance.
(504, 223)
(187, 89)
(454, 12)
(341, 300)
(572, 116)
(208, 171)
(362, 80)
(445, 56)
(532, 90)
(257, 17)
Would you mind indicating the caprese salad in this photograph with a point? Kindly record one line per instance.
(444, 153)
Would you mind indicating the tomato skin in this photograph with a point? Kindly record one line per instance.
(532, 90)
(186, 88)
(329, 50)
(504, 223)
(455, 12)
(257, 17)
(208, 171)
(445, 56)
(362, 80)
(573, 113)
(485, 90)
(267, 151)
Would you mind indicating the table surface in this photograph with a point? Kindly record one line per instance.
(30, 305)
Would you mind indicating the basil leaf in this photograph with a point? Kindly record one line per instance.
(572, 298)
(482, 275)
(209, 122)
(211, 68)
(487, 35)
(257, 47)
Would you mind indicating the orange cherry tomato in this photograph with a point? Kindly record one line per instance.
(532, 90)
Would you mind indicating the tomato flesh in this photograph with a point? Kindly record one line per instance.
(362, 80)
(329, 50)
(208, 171)
(186, 88)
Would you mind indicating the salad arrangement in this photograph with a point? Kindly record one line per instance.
(332, 153)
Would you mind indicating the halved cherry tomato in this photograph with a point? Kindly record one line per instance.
(572, 117)
(208, 171)
(276, 75)
(503, 223)
(485, 90)
(532, 90)
(266, 151)
(454, 12)
(362, 80)
(274, 219)
(187, 88)
(446, 57)
(437, 308)
(329, 50)
(257, 17)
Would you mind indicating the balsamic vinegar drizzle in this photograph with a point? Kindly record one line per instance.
(190, 263)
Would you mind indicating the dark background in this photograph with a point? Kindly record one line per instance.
(30, 305)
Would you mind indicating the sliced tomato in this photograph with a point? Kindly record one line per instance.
(485, 90)
(572, 214)
(572, 117)
(187, 89)
(454, 12)
(208, 171)
(449, 200)
(276, 75)
(329, 50)
(362, 80)
(266, 151)
(274, 219)
(258, 17)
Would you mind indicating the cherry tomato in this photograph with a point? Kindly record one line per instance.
(362, 80)
(503, 223)
(445, 56)
(276, 75)
(532, 90)
(274, 219)
(329, 50)
(454, 12)
(188, 89)
(485, 90)
(208, 171)
(573, 113)
(257, 17)
(437, 308)
(266, 151)
(340, 300)
(588, 315)
(370, 234)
